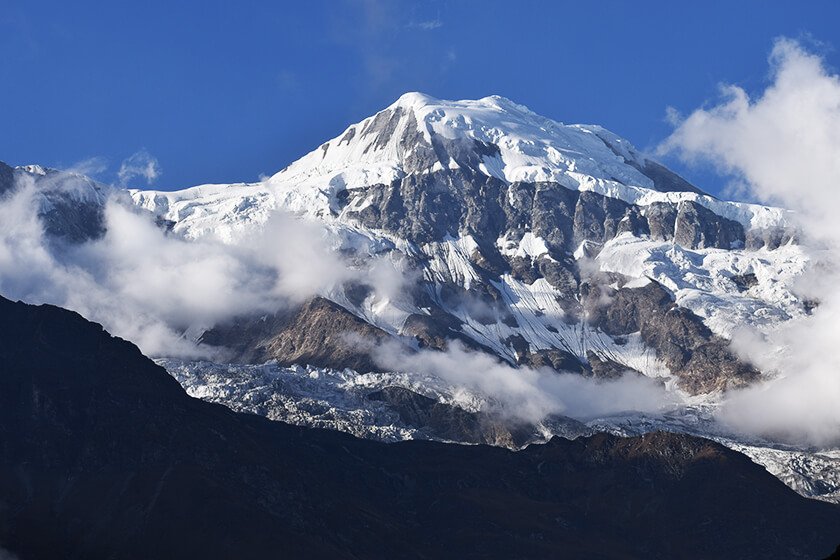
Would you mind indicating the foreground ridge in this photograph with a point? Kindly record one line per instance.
(104, 455)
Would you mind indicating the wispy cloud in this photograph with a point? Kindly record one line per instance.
(526, 394)
(393, 44)
(426, 25)
(140, 164)
(92, 167)
(150, 286)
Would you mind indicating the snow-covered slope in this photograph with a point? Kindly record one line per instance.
(419, 134)
(372, 187)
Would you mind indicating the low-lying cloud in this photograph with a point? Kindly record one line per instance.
(523, 393)
(784, 146)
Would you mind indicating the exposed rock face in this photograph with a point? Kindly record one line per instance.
(690, 225)
(320, 333)
(431, 206)
(604, 368)
(437, 330)
(70, 206)
(7, 178)
(771, 238)
(102, 455)
(702, 361)
(664, 180)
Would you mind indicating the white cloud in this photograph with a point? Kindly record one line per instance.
(524, 393)
(91, 167)
(426, 25)
(784, 147)
(140, 164)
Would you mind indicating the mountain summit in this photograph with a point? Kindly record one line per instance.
(492, 136)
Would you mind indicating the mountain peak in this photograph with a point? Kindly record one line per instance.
(414, 99)
(491, 136)
(418, 100)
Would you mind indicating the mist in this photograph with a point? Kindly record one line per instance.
(783, 147)
(523, 393)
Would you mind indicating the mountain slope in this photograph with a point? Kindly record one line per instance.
(551, 246)
(104, 455)
(512, 220)
(509, 221)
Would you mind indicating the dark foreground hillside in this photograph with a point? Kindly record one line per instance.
(103, 455)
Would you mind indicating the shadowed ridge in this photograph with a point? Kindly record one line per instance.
(103, 455)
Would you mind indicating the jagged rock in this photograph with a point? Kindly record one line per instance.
(605, 368)
(770, 239)
(319, 333)
(437, 330)
(556, 359)
(701, 360)
(744, 281)
(698, 227)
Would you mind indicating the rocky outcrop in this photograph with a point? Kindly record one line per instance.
(103, 455)
(602, 367)
(429, 207)
(693, 226)
(771, 238)
(320, 333)
(7, 178)
(701, 360)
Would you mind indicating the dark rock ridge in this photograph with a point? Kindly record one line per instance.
(664, 180)
(102, 455)
(431, 206)
(446, 422)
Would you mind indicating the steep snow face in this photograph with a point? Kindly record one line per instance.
(495, 137)
(727, 288)
(419, 134)
(519, 145)
(461, 142)
(218, 211)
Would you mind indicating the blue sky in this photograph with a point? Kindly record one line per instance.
(224, 91)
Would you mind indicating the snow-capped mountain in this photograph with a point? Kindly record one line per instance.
(550, 246)
(533, 223)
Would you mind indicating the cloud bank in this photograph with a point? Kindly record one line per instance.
(784, 146)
